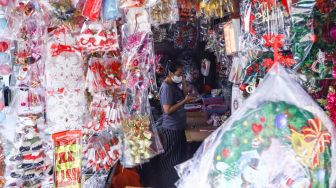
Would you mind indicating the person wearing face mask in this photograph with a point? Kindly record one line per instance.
(172, 132)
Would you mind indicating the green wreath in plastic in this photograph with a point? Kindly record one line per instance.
(277, 143)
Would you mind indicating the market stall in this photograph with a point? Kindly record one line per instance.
(80, 82)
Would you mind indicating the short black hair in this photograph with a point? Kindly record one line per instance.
(172, 66)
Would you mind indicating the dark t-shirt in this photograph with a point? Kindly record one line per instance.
(170, 94)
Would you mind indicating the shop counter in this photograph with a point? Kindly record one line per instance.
(197, 128)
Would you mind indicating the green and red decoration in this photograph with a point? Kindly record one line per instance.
(248, 147)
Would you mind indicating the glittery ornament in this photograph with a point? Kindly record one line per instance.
(280, 121)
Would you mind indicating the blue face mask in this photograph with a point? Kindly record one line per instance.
(4, 57)
(3, 23)
(110, 9)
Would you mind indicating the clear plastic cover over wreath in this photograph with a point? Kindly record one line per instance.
(279, 138)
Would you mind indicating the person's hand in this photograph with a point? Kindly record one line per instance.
(189, 99)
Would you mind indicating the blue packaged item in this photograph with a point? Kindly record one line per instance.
(110, 9)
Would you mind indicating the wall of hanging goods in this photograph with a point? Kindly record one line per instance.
(80, 84)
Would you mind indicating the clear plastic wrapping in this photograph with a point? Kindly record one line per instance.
(293, 21)
(91, 9)
(104, 74)
(262, 18)
(236, 73)
(106, 114)
(131, 3)
(141, 141)
(67, 158)
(27, 165)
(5, 57)
(278, 137)
(66, 104)
(101, 153)
(302, 29)
(2, 162)
(110, 9)
(61, 13)
(212, 9)
(137, 20)
(97, 37)
(164, 12)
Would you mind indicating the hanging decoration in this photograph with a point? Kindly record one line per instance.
(67, 158)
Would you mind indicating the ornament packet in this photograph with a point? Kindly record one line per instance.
(97, 37)
(164, 12)
(92, 8)
(104, 74)
(293, 22)
(101, 153)
(140, 141)
(278, 137)
(67, 158)
(27, 165)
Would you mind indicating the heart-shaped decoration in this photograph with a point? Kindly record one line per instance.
(256, 128)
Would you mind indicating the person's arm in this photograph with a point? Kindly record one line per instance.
(167, 100)
(169, 109)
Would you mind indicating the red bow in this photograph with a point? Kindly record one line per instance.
(314, 132)
(274, 41)
(57, 49)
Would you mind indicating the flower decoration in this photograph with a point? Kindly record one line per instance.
(331, 107)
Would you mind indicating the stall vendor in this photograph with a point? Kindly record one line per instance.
(174, 122)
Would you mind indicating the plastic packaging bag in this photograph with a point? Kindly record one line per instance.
(131, 3)
(2, 163)
(67, 158)
(236, 73)
(28, 101)
(293, 21)
(96, 37)
(141, 141)
(106, 114)
(66, 13)
(164, 12)
(302, 29)
(137, 20)
(5, 57)
(27, 164)
(279, 137)
(101, 153)
(91, 9)
(259, 65)
(110, 9)
(188, 10)
(66, 104)
(262, 18)
(104, 74)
